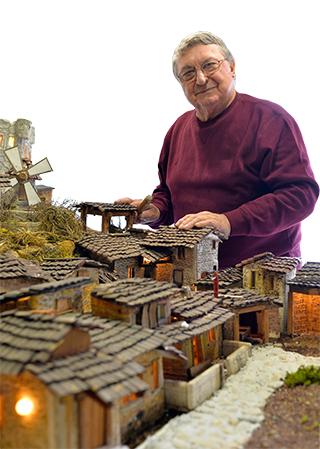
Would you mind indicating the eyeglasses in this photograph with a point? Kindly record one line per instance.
(207, 68)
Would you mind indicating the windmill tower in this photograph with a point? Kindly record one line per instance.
(16, 140)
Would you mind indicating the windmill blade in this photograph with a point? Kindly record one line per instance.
(13, 182)
(40, 167)
(14, 157)
(31, 194)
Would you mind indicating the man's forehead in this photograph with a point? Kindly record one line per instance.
(198, 54)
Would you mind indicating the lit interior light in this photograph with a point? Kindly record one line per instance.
(24, 407)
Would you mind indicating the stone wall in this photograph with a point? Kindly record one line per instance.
(206, 256)
(24, 431)
(306, 314)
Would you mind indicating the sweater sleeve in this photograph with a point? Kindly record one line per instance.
(290, 188)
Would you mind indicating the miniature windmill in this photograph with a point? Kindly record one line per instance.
(23, 175)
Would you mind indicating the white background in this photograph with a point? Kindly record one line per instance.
(95, 79)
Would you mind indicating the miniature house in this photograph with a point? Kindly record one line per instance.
(228, 278)
(256, 316)
(107, 211)
(134, 343)
(45, 193)
(268, 275)
(55, 296)
(17, 273)
(123, 253)
(80, 267)
(140, 301)
(47, 366)
(304, 301)
(169, 254)
(197, 331)
(195, 253)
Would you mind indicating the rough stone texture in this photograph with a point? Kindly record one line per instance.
(227, 420)
(306, 314)
(187, 396)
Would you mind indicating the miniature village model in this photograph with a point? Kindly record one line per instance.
(95, 347)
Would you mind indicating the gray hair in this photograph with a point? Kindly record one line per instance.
(200, 37)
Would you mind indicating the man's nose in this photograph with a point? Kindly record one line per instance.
(201, 78)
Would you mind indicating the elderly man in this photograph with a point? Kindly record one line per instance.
(234, 162)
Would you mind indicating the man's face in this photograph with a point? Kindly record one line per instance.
(210, 95)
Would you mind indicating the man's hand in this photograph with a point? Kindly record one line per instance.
(203, 219)
(149, 214)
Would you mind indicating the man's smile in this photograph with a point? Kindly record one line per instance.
(203, 91)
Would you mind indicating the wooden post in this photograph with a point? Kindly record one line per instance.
(105, 221)
(83, 212)
(290, 314)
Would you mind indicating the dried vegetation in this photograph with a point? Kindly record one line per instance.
(48, 230)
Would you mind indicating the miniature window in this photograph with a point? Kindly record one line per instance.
(196, 358)
(213, 244)
(130, 272)
(253, 279)
(155, 367)
(178, 277)
(271, 283)
(11, 142)
(161, 313)
(64, 304)
(181, 252)
(129, 398)
(211, 336)
(138, 316)
(1, 138)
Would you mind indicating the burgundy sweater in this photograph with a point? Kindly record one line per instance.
(249, 163)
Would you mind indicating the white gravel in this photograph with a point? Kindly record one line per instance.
(227, 419)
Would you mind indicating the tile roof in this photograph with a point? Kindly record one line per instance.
(109, 378)
(46, 287)
(4, 181)
(255, 258)
(112, 247)
(241, 297)
(201, 303)
(126, 340)
(281, 264)
(60, 268)
(135, 291)
(27, 340)
(269, 262)
(28, 337)
(107, 207)
(181, 331)
(227, 278)
(172, 237)
(307, 276)
(13, 267)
